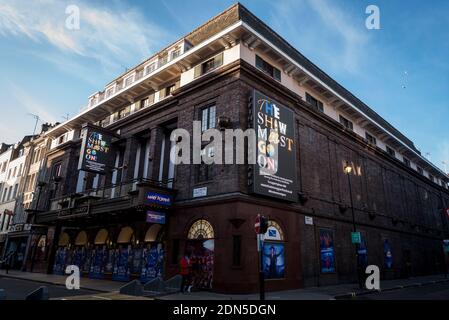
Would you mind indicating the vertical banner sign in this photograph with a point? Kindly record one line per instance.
(327, 254)
(388, 255)
(275, 168)
(96, 154)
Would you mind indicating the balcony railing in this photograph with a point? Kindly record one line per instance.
(112, 191)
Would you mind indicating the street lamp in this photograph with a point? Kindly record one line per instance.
(348, 169)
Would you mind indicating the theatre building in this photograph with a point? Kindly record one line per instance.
(332, 176)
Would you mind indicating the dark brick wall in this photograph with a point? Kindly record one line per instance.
(391, 201)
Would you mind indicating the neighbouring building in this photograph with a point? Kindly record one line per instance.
(24, 236)
(13, 163)
(130, 212)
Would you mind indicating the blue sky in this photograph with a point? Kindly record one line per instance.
(49, 70)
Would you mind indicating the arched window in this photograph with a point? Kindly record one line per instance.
(152, 233)
(201, 229)
(126, 235)
(101, 237)
(64, 240)
(81, 239)
(42, 243)
(274, 232)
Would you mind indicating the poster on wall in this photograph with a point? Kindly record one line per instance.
(109, 267)
(275, 168)
(327, 254)
(388, 255)
(202, 260)
(152, 262)
(96, 154)
(98, 262)
(136, 261)
(79, 256)
(273, 260)
(60, 258)
(362, 252)
(87, 260)
(121, 271)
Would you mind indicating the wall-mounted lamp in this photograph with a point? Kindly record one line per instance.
(347, 169)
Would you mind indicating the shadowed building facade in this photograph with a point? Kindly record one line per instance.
(136, 217)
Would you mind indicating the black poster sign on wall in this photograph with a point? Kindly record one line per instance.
(96, 153)
(275, 169)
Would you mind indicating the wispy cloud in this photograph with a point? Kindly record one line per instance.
(323, 28)
(21, 99)
(113, 38)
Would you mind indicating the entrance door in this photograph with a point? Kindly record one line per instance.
(200, 246)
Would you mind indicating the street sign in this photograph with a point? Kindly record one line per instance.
(257, 224)
(308, 220)
(356, 237)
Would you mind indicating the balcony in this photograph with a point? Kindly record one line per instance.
(108, 199)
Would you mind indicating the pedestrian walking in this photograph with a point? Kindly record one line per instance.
(185, 272)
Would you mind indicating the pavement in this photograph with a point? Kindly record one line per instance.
(54, 279)
(341, 291)
(108, 290)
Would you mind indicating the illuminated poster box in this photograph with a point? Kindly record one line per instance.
(275, 169)
(96, 153)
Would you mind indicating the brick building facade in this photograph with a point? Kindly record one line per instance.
(99, 221)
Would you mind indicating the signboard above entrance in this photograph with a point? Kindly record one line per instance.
(155, 217)
(158, 198)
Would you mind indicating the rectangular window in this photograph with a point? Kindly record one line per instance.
(406, 162)
(150, 68)
(266, 67)
(62, 139)
(391, 152)
(162, 60)
(14, 172)
(109, 92)
(145, 102)
(370, 139)
(236, 250)
(106, 121)
(56, 173)
(20, 170)
(431, 178)
(5, 192)
(124, 112)
(176, 53)
(208, 65)
(314, 102)
(170, 89)
(208, 118)
(346, 123)
(9, 193)
(9, 174)
(15, 190)
(128, 81)
(420, 170)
